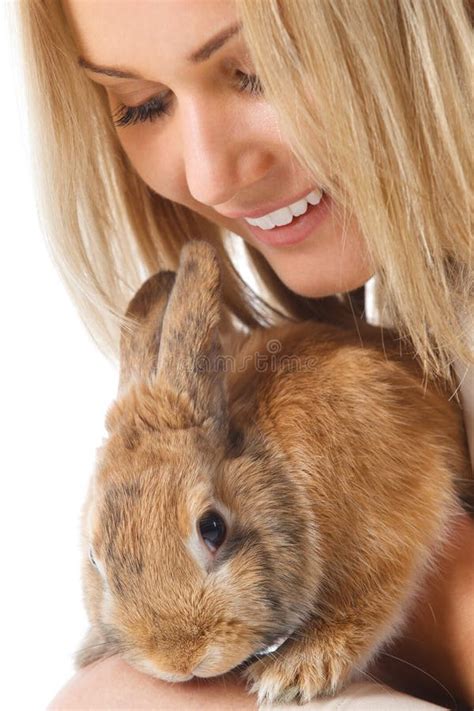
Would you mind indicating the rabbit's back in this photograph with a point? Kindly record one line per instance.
(377, 450)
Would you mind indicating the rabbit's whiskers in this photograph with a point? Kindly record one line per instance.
(422, 671)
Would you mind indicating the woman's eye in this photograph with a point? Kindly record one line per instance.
(250, 83)
(150, 110)
(156, 107)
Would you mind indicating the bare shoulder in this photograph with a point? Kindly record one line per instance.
(113, 684)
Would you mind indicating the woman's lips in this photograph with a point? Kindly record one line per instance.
(298, 230)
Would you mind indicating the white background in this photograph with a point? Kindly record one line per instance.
(55, 387)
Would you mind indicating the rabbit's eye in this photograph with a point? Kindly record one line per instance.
(91, 557)
(212, 529)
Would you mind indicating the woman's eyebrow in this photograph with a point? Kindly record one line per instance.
(196, 57)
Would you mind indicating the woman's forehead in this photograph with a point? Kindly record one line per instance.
(148, 36)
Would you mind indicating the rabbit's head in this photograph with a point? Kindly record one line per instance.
(196, 539)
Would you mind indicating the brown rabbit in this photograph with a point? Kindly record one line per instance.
(289, 495)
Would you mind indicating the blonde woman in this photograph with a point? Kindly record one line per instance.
(162, 120)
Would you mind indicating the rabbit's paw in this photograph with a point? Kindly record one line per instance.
(299, 671)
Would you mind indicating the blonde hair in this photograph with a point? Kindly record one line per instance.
(375, 99)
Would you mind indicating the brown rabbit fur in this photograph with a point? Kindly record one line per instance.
(331, 466)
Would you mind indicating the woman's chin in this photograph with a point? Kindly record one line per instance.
(330, 262)
(318, 283)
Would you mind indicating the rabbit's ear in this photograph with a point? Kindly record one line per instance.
(139, 345)
(93, 648)
(190, 356)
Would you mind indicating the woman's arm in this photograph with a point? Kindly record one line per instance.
(437, 648)
(112, 685)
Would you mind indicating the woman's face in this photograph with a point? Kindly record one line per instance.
(216, 147)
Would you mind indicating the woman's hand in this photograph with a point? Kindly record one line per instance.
(437, 647)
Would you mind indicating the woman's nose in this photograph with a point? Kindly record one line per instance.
(223, 152)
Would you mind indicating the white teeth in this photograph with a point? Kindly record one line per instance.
(280, 217)
(264, 222)
(299, 208)
(285, 215)
(314, 198)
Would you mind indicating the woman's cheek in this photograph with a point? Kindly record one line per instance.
(156, 159)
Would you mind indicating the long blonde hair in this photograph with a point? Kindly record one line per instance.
(375, 99)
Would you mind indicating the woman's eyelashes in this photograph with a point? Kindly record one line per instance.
(158, 106)
(148, 111)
